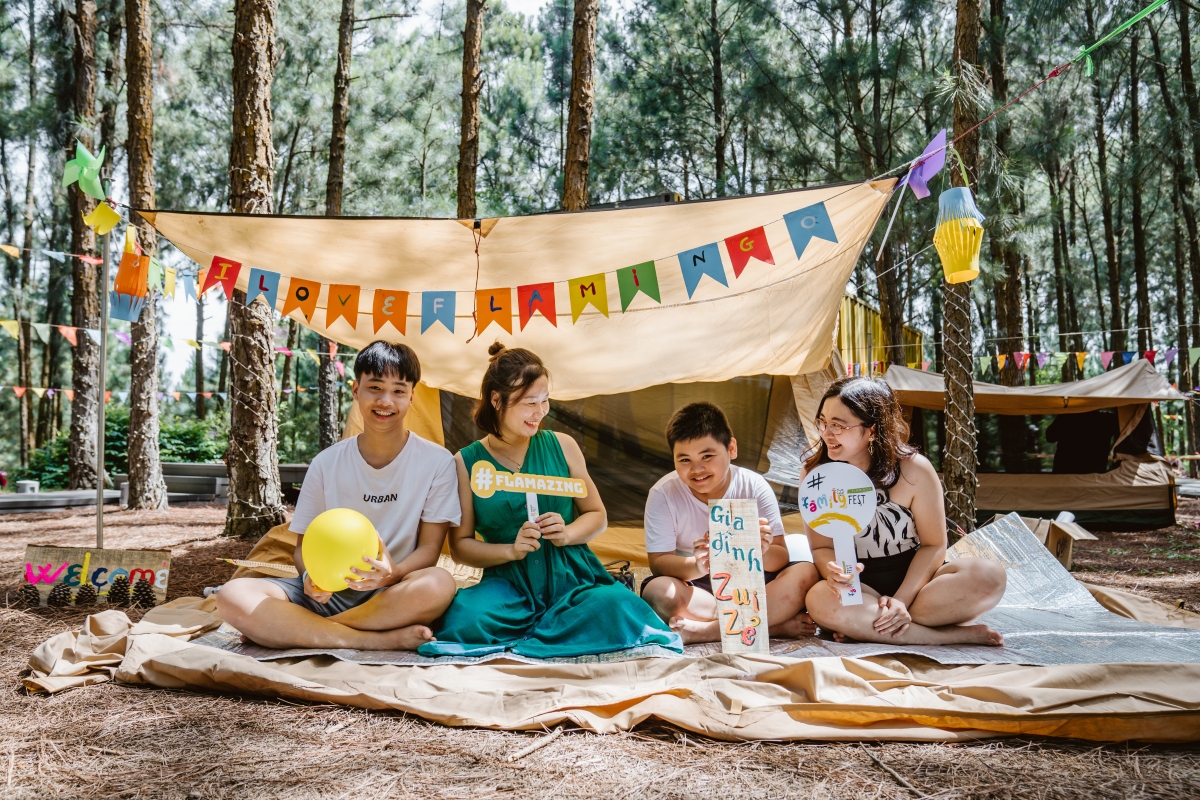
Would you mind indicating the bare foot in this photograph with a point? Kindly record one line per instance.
(981, 634)
(693, 631)
(409, 638)
(800, 625)
(842, 638)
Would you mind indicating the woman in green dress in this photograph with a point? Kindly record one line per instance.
(544, 593)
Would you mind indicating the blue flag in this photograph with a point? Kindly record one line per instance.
(189, 286)
(263, 282)
(699, 262)
(437, 307)
(809, 223)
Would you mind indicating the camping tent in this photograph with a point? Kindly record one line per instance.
(1113, 421)
(637, 310)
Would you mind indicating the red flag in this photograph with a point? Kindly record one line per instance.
(536, 297)
(223, 271)
(70, 393)
(1151, 355)
(19, 390)
(748, 245)
(224, 346)
(107, 396)
(95, 262)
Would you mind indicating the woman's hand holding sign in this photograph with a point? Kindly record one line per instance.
(838, 580)
(553, 528)
(528, 539)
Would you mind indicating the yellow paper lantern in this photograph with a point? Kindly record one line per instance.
(959, 235)
(335, 541)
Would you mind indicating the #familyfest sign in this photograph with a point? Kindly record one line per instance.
(486, 480)
(46, 567)
(736, 568)
(838, 500)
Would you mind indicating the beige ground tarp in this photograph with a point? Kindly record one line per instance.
(774, 319)
(1134, 384)
(1136, 483)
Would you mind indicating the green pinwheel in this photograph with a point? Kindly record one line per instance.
(85, 168)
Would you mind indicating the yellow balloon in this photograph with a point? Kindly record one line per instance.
(335, 541)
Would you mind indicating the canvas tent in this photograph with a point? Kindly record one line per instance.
(1113, 420)
(757, 340)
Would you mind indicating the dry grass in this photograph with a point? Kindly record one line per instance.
(121, 741)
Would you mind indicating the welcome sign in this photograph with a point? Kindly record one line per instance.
(738, 582)
(47, 567)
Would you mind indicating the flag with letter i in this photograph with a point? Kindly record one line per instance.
(638, 278)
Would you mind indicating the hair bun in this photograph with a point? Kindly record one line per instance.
(495, 349)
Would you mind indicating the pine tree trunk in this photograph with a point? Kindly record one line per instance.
(582, 105)
(1140, 267)
(958, 461)
(113, 28)
(21, 312)
(327, 390)
(147, 489)
(85, 280)
(255, 502)
(472, 85)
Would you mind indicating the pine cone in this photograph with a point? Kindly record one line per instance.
(60, 596)
(118, 591)
(143, 594)
(29, 595)
(86, 595)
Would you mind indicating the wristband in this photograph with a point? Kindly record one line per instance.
(303, 577)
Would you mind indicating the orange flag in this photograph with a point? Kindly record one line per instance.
(223, 271)
(301, 294)
(391, 307)
(70, 333)
(494, 305)
(342, 303)
(18, 390)
(748, 245)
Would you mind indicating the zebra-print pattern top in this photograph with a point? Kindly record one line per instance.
(891, 532)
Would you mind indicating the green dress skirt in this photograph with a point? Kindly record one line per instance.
(557, 602)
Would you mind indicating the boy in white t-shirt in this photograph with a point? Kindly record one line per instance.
(680, 591)
(407, 487)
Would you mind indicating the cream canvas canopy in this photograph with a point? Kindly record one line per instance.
(1132, 385)
(772, 319)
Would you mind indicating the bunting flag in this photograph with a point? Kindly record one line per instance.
(107, 397)
(341, 368)
(493, 305)
(175, 395)
(169, 283)
(223, 271)
(1042, 358)
(1193, 354)
(191, 396)
(539, 297)
(122, 395)
(70, 333)
(1106, 358)
(748, 245)
(70, 393)
(1001, 360)
(342, 303)
(40, 392)
(313, 355)
(1151, 355)
(192, 343)
(19, 391)
(155, 276)
(696, 263)
(1170, 354)
(638, 278)
(102, 221)
(1022, 359)
(11, 327)
(263, 283)
(10, 251)
(93, 260)
(124, 337)
(591, 290)
(189, 287)
(284, 350)
(809, 223)
(390, 307)
(927, 165)
(42, 329)
(224, 346)
(301, 295)
(437, 307)
(1079, 359)
(1129, 356)
(207, 394)
(925, 366)
(56, 255)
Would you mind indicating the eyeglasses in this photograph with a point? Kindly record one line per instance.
(836, 428)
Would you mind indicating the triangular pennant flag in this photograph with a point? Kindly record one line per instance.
(70, 333)
(1193, 354)
(93, 260)
(56, 255)
(70, 393)
(1079, 359)
(925, 366)
(50, 392)
(342, 303)
(42, 329)
(390, 307)
(313, 355)
(107, 397)
(303, 295)
(1170, 354)
(224, 346)
(154, 278)
(1106, 358)
(1042, 358)
(38, 391)
(809, 223)
(192, 343)
(10, 251)
(102, 220)
(122, 395)
(191, 396)
(223, 271)
(11, 327)
(208, 394)
(93, 334)
(537, 298)
(697, 263)
(332, 348)
(1129, 356)
(588, 291)
(1151, 355)
(437, 307)
(913, 364)
(189, 286)
(175, 395)
(1001, 360)
(341, 368)
(169, 283)
(1022, 359)
(262, 283)
(638, 278)
(748, 245)
(123, 337)
(19, 391)
(492, 305)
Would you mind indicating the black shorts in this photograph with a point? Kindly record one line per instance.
(705, 582)
(885, 573)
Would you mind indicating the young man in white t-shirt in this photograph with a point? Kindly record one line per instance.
(680, 591)
(407, 487)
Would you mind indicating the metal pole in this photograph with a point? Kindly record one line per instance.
(100, 403)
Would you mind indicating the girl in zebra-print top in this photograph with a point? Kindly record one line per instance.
(910, 594)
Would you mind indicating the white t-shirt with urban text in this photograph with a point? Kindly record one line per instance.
(675, 518)
(420, 485)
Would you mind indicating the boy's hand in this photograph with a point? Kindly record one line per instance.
(526, 542)
(553, 528)
(700, 553)
(767, 534)
(312, 591)
(377, 575)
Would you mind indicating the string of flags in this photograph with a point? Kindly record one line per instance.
(122, 395)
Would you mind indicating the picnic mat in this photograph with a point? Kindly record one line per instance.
(1142, 682)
